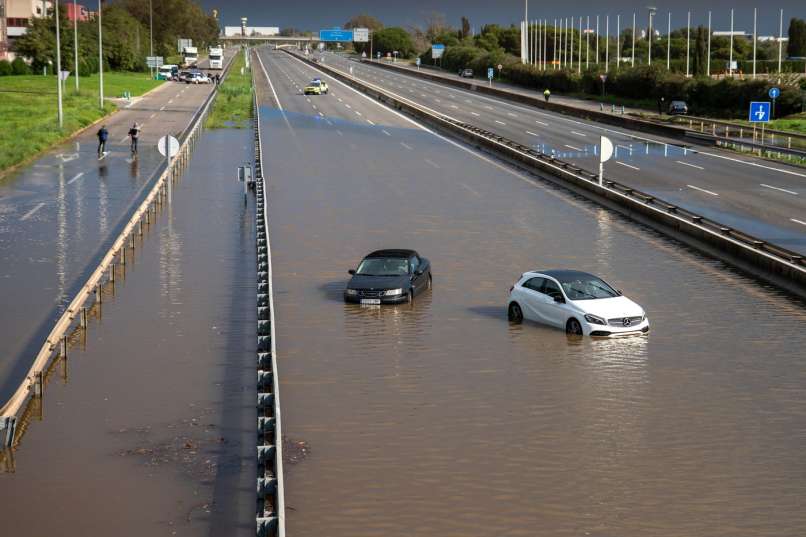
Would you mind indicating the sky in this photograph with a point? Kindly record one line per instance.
(315, 14)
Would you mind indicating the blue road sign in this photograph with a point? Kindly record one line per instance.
(759, 112)
(490, 73)
(335, 35)
(775, 93)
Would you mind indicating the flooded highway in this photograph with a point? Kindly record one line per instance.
(441, 418)
(149, 427)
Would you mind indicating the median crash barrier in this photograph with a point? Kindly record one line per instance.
(270, 516)
(55, 345)
(777, 265)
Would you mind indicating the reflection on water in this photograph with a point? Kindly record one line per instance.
(444, 418)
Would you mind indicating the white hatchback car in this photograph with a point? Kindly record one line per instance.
(578, 302)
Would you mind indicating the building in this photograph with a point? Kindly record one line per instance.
(17, 15)
(79, 12)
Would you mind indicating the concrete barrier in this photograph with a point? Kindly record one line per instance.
(774, 264)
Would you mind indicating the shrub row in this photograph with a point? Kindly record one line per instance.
(17, 67)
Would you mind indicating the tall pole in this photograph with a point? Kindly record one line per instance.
(151, 32)
(597, 40)
(649, 39)
(730, 62)
(75, 40)
(545, 42)
(688, 42)
(669, 43)
(554, 53)
(632, 60)
(59, 64)
(571, 35)
(755, 39)
(587, 41)
(539, 44)
(708, 61)
(607, 43)
(562, 47)
(780, 42)
(579, 52)
(618, 41)
(525, 28)
(100, 59)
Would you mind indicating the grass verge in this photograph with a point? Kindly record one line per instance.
(233, 105)
(28, 110)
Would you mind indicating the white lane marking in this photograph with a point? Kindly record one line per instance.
(780, 189)
(385, 132)
(370, 122)
(432, 163)
(407, 146)
(629, 166)
(307, 99)
(339, 99)
(328, 121)
(30, 213)
(357, 112)
(702, 190)
(276, 99)
(475, 114)
(500, 122)
(572, 147)
(321, 114)
(152, 115)
(488, 107)
(579, 133)
(171, 101)
(161, 109)
(533, 134)
(124, 139)
(690, 165)
(437, 100)
(801, 222)
(541, 123)
(314, 106)
(470, 190)
(511, 114)
(454, 106)
(76, 178)
(348, 106)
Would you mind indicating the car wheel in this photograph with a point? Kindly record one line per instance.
(410, 297)
(573, 328)
(514, 313)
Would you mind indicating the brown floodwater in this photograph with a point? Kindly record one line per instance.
(442, 419)
(149, 427)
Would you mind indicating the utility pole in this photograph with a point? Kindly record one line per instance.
(730, 63)
(649, 36)
(59, 64)
(607, 43)
(688, 42)
(618, 42)
(579, 53)
(632, 61)
(708, 61)
(151, 32)
(669, 43)
(587, 41)
(780, 42)
(755, 39)
(571, 35)
(554, 52)
(75, 39)
(100, 58)
(597, 40)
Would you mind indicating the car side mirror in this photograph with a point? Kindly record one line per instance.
(558, 299)
(418, 272)
(351, 272)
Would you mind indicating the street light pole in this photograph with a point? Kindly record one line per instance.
(669, 43)
(618, 42)
(688, 42)
(587, 41)
(597, 40)
(649, 36)
(730, 62)
(579, 52)
(100, 58)
(755, 39)
(151, 32)
(59, 64)
(780, 42)
(607, 43)
(708, 61)
(75, 39)
(632, 60)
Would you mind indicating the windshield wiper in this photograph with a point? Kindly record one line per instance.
(581, 292)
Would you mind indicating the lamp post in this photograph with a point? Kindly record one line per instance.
(755, 39)
(669, 43)
(632, 60)
(151, 34)
(607, 43)
(597, 40)
(688, 42)
(649, 36)
(75, 39)
(579, 52)
(59, 64)
(730, 62)
(780, 42)
(100, 59)
(708, 55)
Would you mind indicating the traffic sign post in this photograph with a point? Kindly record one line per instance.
(168, 146)
(605, 152)
(774, 94)
(759, 113)
(490, 74)
(336, 35)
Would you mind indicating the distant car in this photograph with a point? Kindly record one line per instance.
(389, 277)
(168, 72)
(316, 87)
(183, 76)
(197, 78)
(466, 73)
(678, 108)
(578, 302)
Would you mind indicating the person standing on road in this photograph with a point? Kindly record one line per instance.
(547, 94)
(103, 134)
(134, 133)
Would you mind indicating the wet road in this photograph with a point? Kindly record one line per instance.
(759, 197)
(59, 215)
(152, 429)
(442, 419)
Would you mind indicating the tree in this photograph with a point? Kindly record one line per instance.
(700, 60)
(174, 19)
(797, 38)
(364, 21)
(465, 27)
(393, 39)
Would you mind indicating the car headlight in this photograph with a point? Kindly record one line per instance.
(351, 292)
(393, 292)
(593, 319)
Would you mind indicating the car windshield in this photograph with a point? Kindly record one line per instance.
(586, 288)
(314, 83)
(383, 266)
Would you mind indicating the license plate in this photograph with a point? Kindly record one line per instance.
(370, 300)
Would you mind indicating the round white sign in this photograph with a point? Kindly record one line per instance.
(168, 146)
(607, 149)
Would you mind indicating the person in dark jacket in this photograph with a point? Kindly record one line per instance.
(134, 133)
(103, 134)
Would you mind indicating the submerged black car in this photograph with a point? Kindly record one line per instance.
(389, 277)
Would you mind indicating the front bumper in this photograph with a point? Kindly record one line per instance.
(312, 92)
(598, 330)
(398, 299)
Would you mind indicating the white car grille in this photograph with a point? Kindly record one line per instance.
(625, 321)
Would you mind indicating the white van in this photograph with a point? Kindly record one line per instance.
(167, 72)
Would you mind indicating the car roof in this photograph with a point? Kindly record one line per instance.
(392, 253)
(562, 274)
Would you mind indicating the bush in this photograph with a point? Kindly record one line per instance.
(19, 67)
(5, 68)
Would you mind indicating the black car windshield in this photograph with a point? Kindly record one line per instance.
(586, 288)
(383, 266)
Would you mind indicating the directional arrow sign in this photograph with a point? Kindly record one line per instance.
(775, 93)
(759, 112)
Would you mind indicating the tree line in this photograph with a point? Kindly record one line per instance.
(126, 36)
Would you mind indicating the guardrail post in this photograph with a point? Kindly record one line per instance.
(112, 272)
(83, 321)
(727, 131)
(789, 142)
(140, 227)
(123, 255)
(64, 347)
(39, 384)
(8, 424)
(702, 126)
(99, 293)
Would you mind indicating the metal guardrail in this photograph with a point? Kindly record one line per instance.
(778, 265)
(270, 516)
(56, 343)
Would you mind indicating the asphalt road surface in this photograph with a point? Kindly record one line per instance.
(441, 418)
(764, 199)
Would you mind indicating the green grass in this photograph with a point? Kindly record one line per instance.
(233, 105)
(28, 110)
